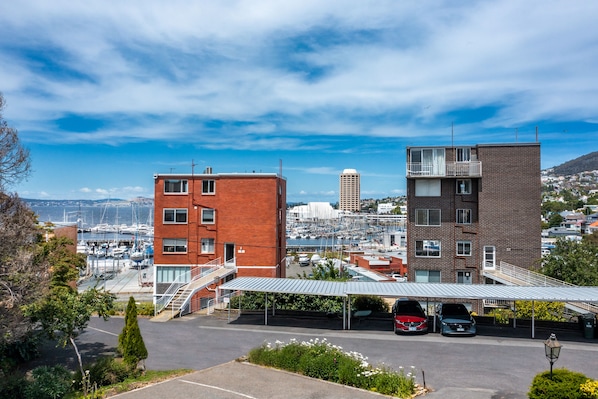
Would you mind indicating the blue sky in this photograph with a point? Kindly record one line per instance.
(107, 93)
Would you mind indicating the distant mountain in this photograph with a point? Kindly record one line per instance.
(582, 164)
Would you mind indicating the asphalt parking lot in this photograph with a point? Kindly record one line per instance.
(498, 363)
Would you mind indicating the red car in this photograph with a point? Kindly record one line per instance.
(409, 317)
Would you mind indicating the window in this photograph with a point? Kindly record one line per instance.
(175, 215)
(427, 188)
(463, 277)
(427, 248)
(168, 274)
(463, 248)
(174, 245)
(464, 216)
(427, 217)
(463, 154)
(464, 186)
(208, 186)
(207, 246)
(427, 161)
(427, 276)
(208, 216)
(175, 186)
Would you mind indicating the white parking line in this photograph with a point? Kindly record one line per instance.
(220, 389)
(103, 331)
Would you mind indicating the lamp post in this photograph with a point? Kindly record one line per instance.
(552, 349)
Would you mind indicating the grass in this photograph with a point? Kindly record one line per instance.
(147, 378)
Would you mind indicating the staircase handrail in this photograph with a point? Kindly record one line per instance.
(533, 278)
(530, 277)
(182, 280)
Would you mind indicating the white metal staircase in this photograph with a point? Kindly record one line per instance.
(180, 292)
(508, 274)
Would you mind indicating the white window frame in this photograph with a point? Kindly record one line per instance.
(463, 186)
(464, 248)
(176, 212)
(427, 249)
(176, 186)
(423, 217)
(205, 216)
(464, 216)
(428, 276)
(174, 245)
(208, 187)
(463, 154)
(208, 246)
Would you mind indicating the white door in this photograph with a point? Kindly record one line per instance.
(489, 258)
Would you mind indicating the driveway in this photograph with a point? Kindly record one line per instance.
(498, 363)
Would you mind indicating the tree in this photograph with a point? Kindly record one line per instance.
(130, 341)
(573, 262)
(555, 220)
(15, 164)
(24, 274)
(65, 313)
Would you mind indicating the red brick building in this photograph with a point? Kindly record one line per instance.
(470, 208)
(236, 220)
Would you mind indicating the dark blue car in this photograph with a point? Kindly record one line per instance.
(455, 319)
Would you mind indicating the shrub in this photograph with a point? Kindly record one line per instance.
(563, 384)
(13, 386)
(590, 389)
(370, 302)
(130, 341)
(319, 359)
(105, 371)
(49, 382)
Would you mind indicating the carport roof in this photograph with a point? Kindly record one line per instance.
(421, 290)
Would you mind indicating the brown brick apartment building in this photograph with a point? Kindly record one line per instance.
(470, 208)
(234, 219)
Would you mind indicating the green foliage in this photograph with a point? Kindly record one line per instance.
(306, 303)
(143, 308)
(555, 220)
(12, 385)
(573, 262)
(369, 302)
(105, 371)
(591, 239)
(64, 264)
(130, 341)
(49, 382)
(549, 311)
(319, 359)
(327, 271)
(563, 384)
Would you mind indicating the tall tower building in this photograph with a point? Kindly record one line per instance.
(350, 191)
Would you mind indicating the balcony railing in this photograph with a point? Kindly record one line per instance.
(445, 169)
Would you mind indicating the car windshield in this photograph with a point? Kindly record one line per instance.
(455, 310)
(410, 309)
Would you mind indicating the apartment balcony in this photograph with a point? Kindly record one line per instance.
(445, 169)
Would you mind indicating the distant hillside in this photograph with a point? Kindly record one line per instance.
(582, 164)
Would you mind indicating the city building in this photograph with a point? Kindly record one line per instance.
(350, 191)
(230, 220)
(470, 208)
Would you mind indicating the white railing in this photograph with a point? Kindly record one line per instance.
(214, 302)
(448, 169)
(183, 280)
(521, 276)
(529, 277)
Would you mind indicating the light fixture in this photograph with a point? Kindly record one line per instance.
(552, 350)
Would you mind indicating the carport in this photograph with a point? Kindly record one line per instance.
(406, 290)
